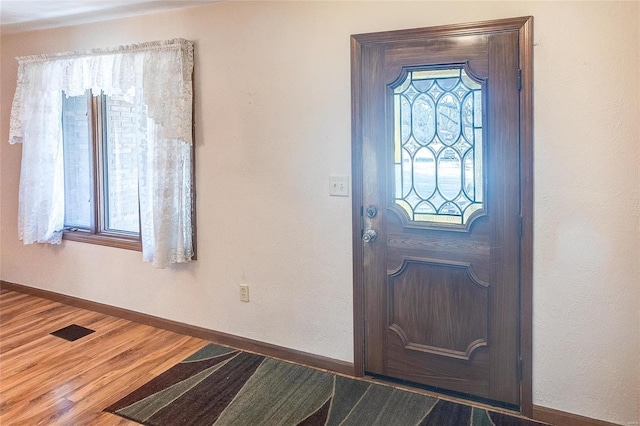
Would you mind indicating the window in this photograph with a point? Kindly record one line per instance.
(438, 146)
(101, 170)
(107, 148)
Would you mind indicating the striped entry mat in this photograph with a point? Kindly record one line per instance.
(225, 386)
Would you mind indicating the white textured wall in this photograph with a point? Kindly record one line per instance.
(273, 121)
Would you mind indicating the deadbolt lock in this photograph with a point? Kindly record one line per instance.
(372, 211)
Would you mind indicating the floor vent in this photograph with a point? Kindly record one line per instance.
(72, 332)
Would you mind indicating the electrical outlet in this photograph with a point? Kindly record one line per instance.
(244, 293)
(339, 186)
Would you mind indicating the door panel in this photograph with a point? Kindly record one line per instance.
(455, 325)
(440, 288)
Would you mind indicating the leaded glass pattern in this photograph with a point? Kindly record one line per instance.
(438, 146)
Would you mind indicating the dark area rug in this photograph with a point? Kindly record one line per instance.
(224, 386)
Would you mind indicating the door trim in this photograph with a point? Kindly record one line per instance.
(524, 26)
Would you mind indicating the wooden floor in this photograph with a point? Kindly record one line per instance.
(46, 380)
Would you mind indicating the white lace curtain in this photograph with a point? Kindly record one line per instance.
(157, 77)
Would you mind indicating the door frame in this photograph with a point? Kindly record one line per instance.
(524, 26)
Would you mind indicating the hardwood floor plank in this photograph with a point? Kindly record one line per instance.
(50, 381)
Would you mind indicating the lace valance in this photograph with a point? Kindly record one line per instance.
(160, 70)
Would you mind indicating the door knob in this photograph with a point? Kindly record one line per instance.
(369, 236)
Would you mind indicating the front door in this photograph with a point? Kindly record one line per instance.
(438, 204)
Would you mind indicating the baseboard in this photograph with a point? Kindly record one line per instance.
(562, 418)
(226, 339)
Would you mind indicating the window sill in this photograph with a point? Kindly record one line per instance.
(109, 240)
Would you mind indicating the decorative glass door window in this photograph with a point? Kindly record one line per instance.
(438, 146)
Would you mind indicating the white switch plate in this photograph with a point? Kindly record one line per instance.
(339, 186)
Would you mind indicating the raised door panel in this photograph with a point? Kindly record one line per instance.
(438, 308)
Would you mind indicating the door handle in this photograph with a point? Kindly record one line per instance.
(369, 236)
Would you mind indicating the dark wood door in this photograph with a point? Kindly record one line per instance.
(436, 114)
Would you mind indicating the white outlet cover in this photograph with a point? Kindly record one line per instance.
(244, 293)
(339, 186)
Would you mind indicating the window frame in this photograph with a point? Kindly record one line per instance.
(97, 233)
